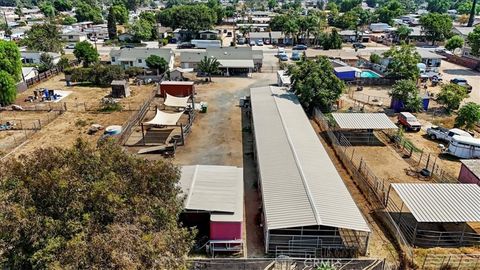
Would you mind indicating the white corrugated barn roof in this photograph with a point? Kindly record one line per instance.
(215, 189)
(441, 202)
(300, 185)
(363, 121)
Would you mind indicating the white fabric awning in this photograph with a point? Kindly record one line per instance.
(173, 101)
(164, 119)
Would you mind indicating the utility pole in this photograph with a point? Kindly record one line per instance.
(472, 14)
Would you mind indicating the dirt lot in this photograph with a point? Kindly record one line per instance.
(72, 124)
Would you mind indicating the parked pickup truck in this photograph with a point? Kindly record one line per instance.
(445, 134)
(409, 121)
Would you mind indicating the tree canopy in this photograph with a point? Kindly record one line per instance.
(451, 95)
(402, 62)
(436, 26)
(315, 83)
(91, 208)
(142, 29)
(406, 91)
(121, 13)
(86, 12)
(157, 63)
(111, 24)
(454, 42)
(209, 66)
(8, 88)
(438, 6)
(468, 116)
(474, 41)
(10, 59)
(43, 38)
(85, 53)
(389, 11)
(192, 18)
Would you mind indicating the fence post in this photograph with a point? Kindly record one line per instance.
(39, 124)
(424, 261)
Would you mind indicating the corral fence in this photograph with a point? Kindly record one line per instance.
(451, 261)
(135, 118)
(22, 130)
(289, 263)
(47, 74)
(369, 99)
(419, 159)
(374, 188)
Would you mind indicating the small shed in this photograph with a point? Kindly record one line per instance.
(214, 204)
(177, 88)
(470, 171)
(346, 73)
(120, 89)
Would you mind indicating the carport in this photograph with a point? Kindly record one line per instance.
(232, 67)
(435, 214)
(358, 128)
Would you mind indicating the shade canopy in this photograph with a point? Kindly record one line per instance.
(164, 119)
(377, 121)
(173, 101)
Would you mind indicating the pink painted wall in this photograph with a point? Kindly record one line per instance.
(225, 230)
(467, 177)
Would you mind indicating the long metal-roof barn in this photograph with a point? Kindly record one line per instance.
(307, 207)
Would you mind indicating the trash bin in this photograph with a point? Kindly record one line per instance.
(204, 108)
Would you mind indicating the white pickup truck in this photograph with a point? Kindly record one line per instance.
(444, 134)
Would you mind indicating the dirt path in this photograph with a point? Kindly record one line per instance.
(222, 136)
(380, 245)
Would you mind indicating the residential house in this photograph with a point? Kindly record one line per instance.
(233, 60)
(98, 31)
(73, 36)
(33, 57)
(136, 57)
(208, 34)
(82, 25)
(352, 35)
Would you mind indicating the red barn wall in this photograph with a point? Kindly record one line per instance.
(177, 90)
(467, 177)
(225, 230)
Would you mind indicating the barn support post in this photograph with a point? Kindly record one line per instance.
(463, 232)
(183, 135)
(400, 214)
(143, 134)
(414, 234)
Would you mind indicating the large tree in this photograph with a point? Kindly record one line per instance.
(91, 208)
(474, 41)
(121, 13)
(111, 24)
(468, 116)
(451, 95)
(406, 91)
(192, 18)
(142, 29)
(389, 11)
(157, 63)
(85, 53)
(402, 62)
(315, 83)
(8, 90)
(86, 12)
(10, 59)
(403, 32)
(47, 9)
(43, 38)
(63, 5)
(209, 66)
(439, 6)
(454, 42)
(436, 26)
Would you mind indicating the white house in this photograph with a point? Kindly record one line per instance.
(33, 57)
(136, 57)
(73, 36)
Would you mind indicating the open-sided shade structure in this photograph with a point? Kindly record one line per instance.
(441, 202)
(164, 119)
(302, 191)
(173, 101)
(373, 121)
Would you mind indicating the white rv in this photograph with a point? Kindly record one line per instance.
(203, 44)
(464, 147)
(379, 27)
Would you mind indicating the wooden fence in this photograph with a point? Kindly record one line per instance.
(47, 74)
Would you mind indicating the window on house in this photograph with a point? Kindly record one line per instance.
(113, 59)
(139, 61)
(70, 37)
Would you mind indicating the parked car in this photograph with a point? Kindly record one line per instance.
(241, 41)
(281, 50)
(70, 46)
(296, 55)
(409, 121)
(462, 82)
(185, 45)
(259, 42)
(127, 47)
(358, 45)
(252, 43)
(464, 147)
(283, 57)
(267, 42)
(300, 47)
(445, 134)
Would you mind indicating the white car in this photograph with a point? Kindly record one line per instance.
(70, 46)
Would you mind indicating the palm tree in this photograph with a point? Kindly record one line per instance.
(209, 66)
